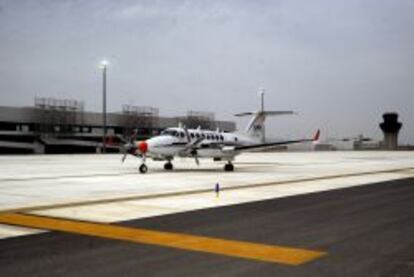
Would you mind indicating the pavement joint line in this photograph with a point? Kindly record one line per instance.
(40, 178)
(240, 249)
(191, 192)
(43, 178)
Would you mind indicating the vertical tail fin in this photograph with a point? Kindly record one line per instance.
(317, 135)
(256, 127)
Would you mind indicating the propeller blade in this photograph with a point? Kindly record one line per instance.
(133, 137)
(196, 160)
(124, 156)
(187, 134)
(124, 150)
(127, 149)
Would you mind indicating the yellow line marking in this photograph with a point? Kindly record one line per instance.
(247, 250)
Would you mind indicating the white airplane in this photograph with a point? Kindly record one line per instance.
(198, 143)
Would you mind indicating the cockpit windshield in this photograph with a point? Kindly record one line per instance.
(169, 132)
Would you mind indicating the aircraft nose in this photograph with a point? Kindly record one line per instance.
(143, 146)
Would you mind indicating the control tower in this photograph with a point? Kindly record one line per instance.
(390, 127)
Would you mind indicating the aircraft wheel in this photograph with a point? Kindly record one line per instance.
(143, 169)
(229, 167)
(168, 166)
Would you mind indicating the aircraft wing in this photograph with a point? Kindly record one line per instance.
(244, 114)
(270, 144)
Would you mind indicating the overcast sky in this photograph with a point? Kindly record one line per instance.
(340, 64)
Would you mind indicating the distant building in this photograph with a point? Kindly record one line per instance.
(62, 126)
(365, 143)
(324, 147)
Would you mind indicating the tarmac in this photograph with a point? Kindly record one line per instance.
(291, 214)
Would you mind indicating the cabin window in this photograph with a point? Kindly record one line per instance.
(192, 135)
(221, 137)
(86, 129)
(197, 135)
(25, 128)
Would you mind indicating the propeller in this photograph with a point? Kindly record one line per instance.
(187, 134)
(194, 153)
(129, 148)
(124, 151)
(138, 149)
(192, 146)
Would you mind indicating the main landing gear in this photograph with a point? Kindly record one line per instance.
(229, 166)
(143, 168)
(168, 166)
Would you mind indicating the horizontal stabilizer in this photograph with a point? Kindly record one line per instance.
(265, 113)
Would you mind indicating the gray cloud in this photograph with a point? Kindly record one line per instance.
(340, 64)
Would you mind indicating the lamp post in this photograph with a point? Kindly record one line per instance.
(104, 66)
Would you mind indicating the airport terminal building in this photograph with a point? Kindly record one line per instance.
(62, 126)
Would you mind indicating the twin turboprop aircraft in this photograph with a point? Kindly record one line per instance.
(198, 143)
